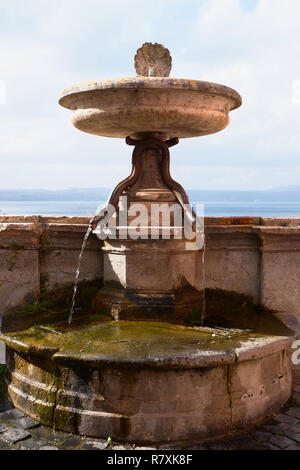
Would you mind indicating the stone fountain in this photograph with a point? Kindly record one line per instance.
(155, 359)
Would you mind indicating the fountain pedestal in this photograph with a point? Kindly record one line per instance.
(151, 271)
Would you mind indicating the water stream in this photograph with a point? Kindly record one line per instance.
(77, 274)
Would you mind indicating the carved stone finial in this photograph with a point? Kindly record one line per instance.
(153, 60)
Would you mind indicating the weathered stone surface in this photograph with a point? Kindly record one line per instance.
(295, 429)
(3, 428)
(261, 436)
(146, 278)
(31, 444)
(281, 441)
(296, 397)
(296, 377)
(287, 420)
(27, 423)
(105, 399)
(43, 252)
(270, 446)
(251, 440)
(41, 387)
(72, 443)
(173, 107)
(14, 435)
(153, 60)
(19, 270)
(259, 385)
(275, 428)
(232, 260)
(61, 245)
(5, 446)
(292, 435)
(294, 412)
(95, 445)
(10, 415)
(281, 255)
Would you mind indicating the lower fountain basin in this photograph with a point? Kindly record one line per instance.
(150, 105)
(147, 382)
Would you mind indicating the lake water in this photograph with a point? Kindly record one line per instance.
(88, 208)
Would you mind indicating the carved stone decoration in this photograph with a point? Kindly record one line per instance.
(153, 60)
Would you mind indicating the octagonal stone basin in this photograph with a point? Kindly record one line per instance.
(149, 381)
(139, 106)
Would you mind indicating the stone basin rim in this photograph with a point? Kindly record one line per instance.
(201, 359)
(159, 83)
(195, 360)
(242, 349)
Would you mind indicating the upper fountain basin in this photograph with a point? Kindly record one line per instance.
(139, 106)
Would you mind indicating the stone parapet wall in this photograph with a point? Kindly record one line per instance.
(257, 257)
(42, 253)
(251, 256)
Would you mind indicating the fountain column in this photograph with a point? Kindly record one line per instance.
(151, 270)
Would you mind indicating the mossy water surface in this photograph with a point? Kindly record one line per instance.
(125, 341)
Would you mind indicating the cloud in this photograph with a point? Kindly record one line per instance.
(47, 46)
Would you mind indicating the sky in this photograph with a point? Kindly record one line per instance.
(252, 46)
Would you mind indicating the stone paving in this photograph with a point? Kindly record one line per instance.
(18, 432)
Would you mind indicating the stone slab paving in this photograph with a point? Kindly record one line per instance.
(18, 432)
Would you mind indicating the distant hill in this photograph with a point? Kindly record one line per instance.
(272, 195)
(287, 194)
(295, 187)
(85, 194)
